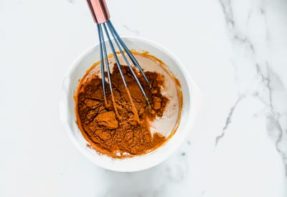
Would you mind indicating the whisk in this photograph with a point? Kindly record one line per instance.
(107, 33)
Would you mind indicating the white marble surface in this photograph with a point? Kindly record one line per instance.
(235, 50)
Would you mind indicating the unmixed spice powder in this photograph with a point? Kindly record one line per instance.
(122, 132)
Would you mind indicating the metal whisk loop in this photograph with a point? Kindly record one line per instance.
(120, 71)
(104, 64)
(101, 16)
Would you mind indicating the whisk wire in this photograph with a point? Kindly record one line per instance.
(105, 27)
(102, 62)
(120, 71)
(130, 67)
(103, 46)
(115, 55)
(131, 56)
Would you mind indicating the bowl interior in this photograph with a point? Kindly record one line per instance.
(189, 109)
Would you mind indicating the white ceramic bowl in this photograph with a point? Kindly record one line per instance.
(191, 101)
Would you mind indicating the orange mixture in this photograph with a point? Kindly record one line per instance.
(115, 129)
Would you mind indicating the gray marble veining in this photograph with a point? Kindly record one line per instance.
(267, 87)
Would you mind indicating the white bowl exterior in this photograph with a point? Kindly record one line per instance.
(191, 103)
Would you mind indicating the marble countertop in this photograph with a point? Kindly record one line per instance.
(236, 51)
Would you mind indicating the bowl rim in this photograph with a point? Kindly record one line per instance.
(191, 87)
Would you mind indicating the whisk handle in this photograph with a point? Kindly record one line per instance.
(99, 10)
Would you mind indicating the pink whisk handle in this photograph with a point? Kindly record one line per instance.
(99, 10)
